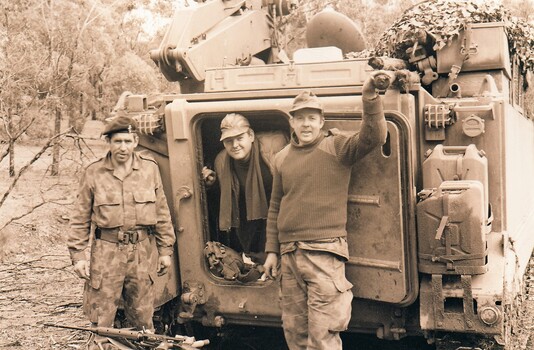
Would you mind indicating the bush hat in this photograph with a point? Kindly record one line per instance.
(233, 124)
(306, 99)
(120, 124)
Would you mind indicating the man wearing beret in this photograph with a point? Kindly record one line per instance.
(307, 219)
(121, 195)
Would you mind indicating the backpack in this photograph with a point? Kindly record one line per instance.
(225, 262)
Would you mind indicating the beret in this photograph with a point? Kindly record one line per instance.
(120, 124)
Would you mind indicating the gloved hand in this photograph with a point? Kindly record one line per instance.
(209, 176)
(82, 269)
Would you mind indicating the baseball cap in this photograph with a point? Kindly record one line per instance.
(120, 124)
(306, 99)
(233, 124)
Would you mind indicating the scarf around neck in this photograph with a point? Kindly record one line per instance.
(255, 197)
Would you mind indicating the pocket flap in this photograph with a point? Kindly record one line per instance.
(95, 279)
(145, 196)
(107, 198)
(342, 284)
(152, 278)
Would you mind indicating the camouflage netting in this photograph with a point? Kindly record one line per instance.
(436, 23)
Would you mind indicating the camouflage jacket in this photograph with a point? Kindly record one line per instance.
(108, 202)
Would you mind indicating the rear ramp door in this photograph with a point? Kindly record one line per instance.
(378, 242)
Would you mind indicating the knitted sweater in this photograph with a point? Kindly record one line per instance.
(311, 182)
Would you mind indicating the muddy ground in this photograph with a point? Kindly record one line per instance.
(37, 284)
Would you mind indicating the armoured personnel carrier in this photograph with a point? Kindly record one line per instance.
(440, 219)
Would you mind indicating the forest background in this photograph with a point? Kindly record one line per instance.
(63, 66)
(63, 62)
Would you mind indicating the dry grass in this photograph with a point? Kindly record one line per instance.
(37, 284)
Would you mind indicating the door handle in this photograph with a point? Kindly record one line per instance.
(182, 193)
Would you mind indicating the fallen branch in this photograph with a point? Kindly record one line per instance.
(21, 215)
(13, 343)
(10, 290)
(19, 263)
(69, 305)
(78, 139)
(15, 269)
(52, 141)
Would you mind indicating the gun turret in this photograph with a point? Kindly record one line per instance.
(218, 33)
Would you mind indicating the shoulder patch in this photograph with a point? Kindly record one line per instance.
(146, 156)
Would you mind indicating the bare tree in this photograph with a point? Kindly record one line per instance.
(13, 134)
(84, 152)
(18, 91)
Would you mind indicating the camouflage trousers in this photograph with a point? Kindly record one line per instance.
(124, 271)
(316, 306)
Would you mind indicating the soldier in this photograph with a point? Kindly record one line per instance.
(307, 218)
(121, 195)
(243, 170)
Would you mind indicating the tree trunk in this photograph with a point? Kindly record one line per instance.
(81, 109)
(55, 148)
(11, 143)
(11, 148)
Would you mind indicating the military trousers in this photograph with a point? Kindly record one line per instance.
(316, 299)
(124, 271)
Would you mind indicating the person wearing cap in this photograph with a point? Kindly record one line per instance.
(121, 196)
(243, 171)
(307, 218)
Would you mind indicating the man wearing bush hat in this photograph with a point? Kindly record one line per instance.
(306, 99)
(307, 219)
(243, 171)
(122, 196)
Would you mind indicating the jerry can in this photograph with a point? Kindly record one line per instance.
(451, 229)
(484, 44)
(457, 163)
